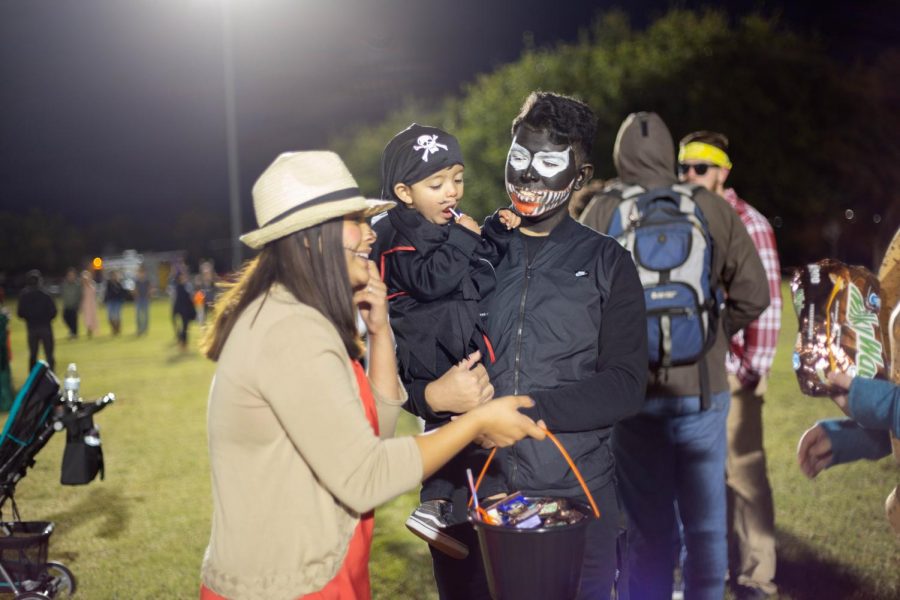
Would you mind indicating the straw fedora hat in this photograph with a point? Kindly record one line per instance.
(302, 189)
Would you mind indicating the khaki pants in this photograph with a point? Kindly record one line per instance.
(751, 513)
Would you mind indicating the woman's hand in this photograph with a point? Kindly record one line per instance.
(814, 451)
(503, 425)
(462, 388)
(372, 303)
(841, 380)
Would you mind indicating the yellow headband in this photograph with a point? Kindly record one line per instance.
(704, 152)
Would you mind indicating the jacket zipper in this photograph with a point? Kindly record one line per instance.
(519, 328)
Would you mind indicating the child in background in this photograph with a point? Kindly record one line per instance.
(438, 265)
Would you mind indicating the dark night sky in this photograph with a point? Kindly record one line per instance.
(117, 108)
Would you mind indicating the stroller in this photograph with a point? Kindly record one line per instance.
(40, 410)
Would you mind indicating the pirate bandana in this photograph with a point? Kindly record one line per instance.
(415, 153)
(540, 175)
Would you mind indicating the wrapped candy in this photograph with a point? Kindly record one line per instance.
(838, 309)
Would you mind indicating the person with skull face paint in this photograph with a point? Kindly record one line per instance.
(567, 322)
(438, 265)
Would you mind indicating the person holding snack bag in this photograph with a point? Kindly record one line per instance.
(873, 405)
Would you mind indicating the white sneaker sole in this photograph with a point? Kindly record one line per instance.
(443, 542)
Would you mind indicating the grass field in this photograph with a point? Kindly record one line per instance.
(141, 533)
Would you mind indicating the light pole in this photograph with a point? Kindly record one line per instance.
(234, 180)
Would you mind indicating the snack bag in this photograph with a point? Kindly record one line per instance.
(838, 310)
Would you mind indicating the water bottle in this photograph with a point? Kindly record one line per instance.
(72, 383)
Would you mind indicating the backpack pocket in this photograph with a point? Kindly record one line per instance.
(675, 325)
(663, 246)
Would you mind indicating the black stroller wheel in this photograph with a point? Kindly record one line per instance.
(62, 580)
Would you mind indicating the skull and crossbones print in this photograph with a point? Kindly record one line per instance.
(429, 144)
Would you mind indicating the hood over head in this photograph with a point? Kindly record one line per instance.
(644, 153)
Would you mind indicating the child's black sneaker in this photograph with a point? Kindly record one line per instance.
(429, 522)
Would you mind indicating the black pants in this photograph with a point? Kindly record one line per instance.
(70, 316)
(36, 336)
(466, 579)
(181, 328)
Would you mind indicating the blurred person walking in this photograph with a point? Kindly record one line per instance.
(114, 297)
(88, 302)
(703, 160)
(143, 289)
(71, 301)
(38, 310)
(183, 311)
(6, 390)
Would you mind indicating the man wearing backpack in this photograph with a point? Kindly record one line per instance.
(703, 160)
(672, 455)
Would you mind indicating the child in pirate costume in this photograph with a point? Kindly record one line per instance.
(438, 266)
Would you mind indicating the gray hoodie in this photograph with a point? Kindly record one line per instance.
(644, 154)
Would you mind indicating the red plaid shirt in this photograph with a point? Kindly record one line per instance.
(753, 348)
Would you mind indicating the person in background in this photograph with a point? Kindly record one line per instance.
(38, 310)
(183, 311)
(6, 389)
(873, 408)
(88, 302)
(670, 459)
(208, 285)
(299, 433)
(143, 290)
(114, 297)
(71, 301)
(703, 160)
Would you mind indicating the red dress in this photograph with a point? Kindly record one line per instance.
(352, 581)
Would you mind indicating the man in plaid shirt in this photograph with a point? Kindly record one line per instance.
(703, 160)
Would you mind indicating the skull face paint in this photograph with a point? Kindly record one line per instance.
(540, 175)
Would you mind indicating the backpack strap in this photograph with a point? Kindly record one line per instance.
(713, 303)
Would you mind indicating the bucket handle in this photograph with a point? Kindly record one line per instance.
(565, 454)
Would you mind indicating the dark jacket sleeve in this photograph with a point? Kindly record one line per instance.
(438, 271)
(743, 276)
(496, 239)
(616, 391)
(417, 405)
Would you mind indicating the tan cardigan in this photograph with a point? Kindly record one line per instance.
(294, 460)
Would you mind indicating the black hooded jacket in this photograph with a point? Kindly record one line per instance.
(568, 330)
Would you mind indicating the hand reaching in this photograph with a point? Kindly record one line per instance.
(814, 451)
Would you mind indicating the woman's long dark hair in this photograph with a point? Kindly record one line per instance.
(310, 263)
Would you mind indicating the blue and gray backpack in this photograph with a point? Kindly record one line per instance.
(669, 240)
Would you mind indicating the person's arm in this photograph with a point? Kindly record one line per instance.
(760, 337)
(742, 277)
(382, 360)
(302, 372)
(460, 389)
(875, 404)
(616, 391)
(498, 422)
(430, 275)
(496, 237)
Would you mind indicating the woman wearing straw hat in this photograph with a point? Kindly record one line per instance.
(297, 429)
